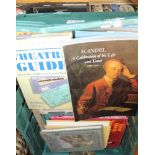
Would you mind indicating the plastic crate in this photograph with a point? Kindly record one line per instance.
(133, 125)
(39, 138)
(28, 126)
(29, 129)
(22, 120)
(48, 152)
(127, 146)
(114, 151)
(19, 101)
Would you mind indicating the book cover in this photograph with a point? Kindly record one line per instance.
(74, 139)
(117, 129)
(41, 73)
(60, 124)
(102, 76)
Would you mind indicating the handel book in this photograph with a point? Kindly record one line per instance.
(41, 72)
(102, 74)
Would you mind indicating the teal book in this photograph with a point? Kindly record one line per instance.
(59, 22)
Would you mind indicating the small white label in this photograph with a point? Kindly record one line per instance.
(75, 21)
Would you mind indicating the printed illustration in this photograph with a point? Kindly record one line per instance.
(109, 90)
(74, 139)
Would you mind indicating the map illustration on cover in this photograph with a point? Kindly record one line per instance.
(103, 76)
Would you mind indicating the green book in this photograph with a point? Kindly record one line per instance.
(59, 22)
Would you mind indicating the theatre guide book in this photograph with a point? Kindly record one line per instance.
(41, 73)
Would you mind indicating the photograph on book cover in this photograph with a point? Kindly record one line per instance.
(103, 77)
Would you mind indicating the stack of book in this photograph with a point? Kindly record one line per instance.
(92, 6)
(81, 78)
(108, 131)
